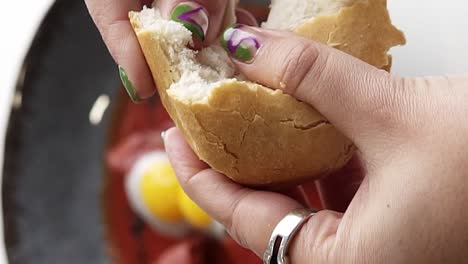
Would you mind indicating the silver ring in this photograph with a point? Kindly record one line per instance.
(283, 234)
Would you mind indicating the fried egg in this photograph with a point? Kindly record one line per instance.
(155, 195)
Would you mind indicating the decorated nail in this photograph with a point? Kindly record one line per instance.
(193, 16)
(128, 85)
(242, 45)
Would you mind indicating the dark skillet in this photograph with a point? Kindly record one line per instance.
(53, 155)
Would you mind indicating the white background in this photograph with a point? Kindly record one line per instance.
(437, 34)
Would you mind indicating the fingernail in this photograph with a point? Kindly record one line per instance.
(193, 16)
(241, 44)
(163, 137)
(128, 85)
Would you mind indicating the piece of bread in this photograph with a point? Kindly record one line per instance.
(290, 14)
(255, 135)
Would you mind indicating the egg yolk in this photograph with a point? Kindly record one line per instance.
(192, 213)
(159, 189)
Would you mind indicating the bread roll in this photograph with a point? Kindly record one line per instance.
(255, 135)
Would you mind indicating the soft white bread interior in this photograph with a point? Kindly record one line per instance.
(289, 14)
(197, 72)
(253, 134)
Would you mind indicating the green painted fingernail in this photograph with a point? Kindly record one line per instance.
(240, 44)
(128, 85)
(193, 16)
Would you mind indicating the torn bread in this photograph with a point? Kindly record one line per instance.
(255, 135)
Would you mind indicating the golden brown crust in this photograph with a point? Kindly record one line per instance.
(272, 138)
(372, 29)
(266, 138)
(363, 30)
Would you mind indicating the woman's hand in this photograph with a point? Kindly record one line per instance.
(412, 136)
(205, 18)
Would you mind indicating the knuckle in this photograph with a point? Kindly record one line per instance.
(234, 218)
(115, 30)
(120, 39)
(191, 181)
(300, 60)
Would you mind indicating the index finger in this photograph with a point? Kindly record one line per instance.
(111, 18)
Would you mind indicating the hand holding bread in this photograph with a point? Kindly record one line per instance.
(111, 18)
(252, 133)
(409, 206)
(410, 132)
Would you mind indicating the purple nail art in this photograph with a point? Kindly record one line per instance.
(193, 16)
(241, 44)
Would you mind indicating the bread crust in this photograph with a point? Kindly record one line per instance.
(255, 135)
(363, 30)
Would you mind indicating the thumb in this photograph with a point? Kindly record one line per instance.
(354, 96)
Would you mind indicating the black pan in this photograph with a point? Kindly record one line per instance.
(53, 156)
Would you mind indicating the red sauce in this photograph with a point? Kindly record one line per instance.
(136, 130)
